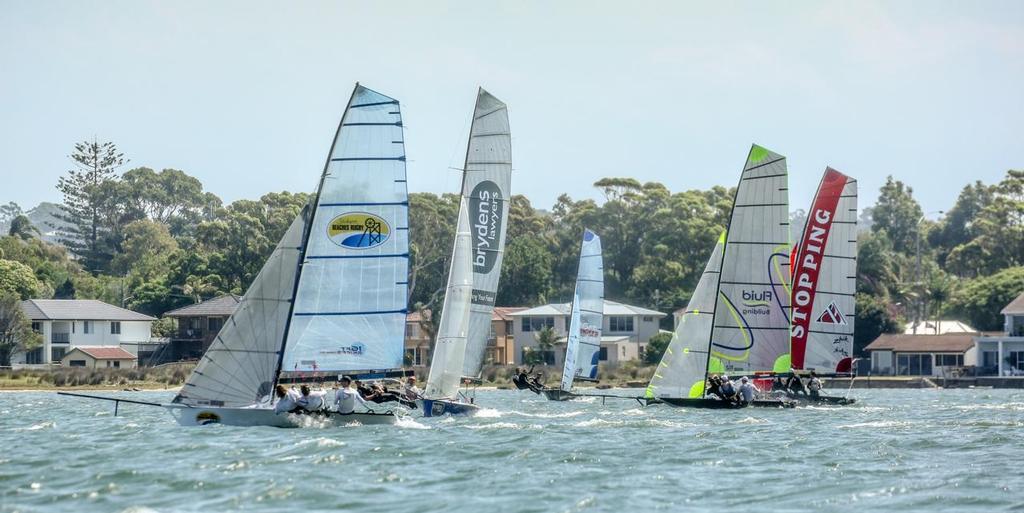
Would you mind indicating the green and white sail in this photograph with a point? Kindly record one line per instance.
(683, 368)
(583, 343)
(449, 354)
(751, 325)
(486, 186)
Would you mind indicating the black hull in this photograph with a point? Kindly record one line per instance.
(718, 404)
(821, 399)
(557, 394)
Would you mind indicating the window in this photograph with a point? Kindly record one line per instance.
(34, 357)
(57, 353)
(914, 364)
(76, 363)
(37, 327)
(1016, 359)
(115, 327)
(87, 327)
(534, 357)
(408, 330)
(493, 334)
(949, 360)
(537, 323)
(648, 318)
(215, 324)
(508, 327)
(117, 364)
(603, 354)
(620, 324)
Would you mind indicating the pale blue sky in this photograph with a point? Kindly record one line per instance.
(246, 95)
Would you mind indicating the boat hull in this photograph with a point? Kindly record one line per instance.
(718, 404)
(441, 407)
(821, 399)
(557, 394)
(189, 416)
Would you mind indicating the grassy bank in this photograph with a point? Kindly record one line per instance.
(63, 378)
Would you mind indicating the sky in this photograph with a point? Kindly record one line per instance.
(246, 95)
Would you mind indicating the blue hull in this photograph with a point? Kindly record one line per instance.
(438, 408)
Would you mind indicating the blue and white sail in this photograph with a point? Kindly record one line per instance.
(486, 185)
(350, 303)
(583, 343)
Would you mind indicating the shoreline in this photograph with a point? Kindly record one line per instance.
(97, 388)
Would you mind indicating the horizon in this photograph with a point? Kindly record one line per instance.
(668, 93)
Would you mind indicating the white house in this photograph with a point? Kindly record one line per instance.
(1002, 354)
(625, 333)
(69, 323)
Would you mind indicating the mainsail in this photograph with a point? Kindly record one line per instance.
(583, 343)
(450, 348)
(751, 325)
(486, 185)
(824, 278)
(332, 295)
(350, 304)
(686, 361)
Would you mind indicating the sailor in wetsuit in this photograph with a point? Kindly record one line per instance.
(537, 383)
(814, 385)
(522, 378)
(728, 389)
(794, 385)
(715, 386)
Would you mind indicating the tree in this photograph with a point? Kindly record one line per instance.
(17, 279)
(9, 211)
(898, 213)
(546, 339)
(998, 229)
(85, 200)
(525, 272)
(981, 299)
(656, 347)
(22, 228)
(874, 317)
(146, 247)
(16, 334)
(958, 226)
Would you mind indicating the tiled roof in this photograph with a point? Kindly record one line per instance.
(78, 310)
(220, 306)
(949, 343)
(1016, 307)
(106, 352)
(504, 313)
(610, 308)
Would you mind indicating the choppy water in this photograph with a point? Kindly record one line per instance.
(897, 450)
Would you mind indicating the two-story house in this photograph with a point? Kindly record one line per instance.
(198, 325)
(69, 323)
(626, 330)
(500, 346)
(1003, 354)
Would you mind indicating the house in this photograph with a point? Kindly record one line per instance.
(198, 325)
(898, 354)
(625, 332)
(1002, 354)
(97, 357)
(500, 346)
(66, 324)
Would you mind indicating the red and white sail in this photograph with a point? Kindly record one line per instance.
(824, 278)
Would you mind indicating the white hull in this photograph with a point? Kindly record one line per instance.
(188, 416)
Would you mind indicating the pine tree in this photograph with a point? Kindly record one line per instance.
(82, 211)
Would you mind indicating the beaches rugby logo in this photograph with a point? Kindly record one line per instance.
(358, 230)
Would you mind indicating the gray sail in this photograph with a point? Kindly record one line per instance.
(583, 342)
(486, 185)
(239, 367)
(751, 326)
(681, 372)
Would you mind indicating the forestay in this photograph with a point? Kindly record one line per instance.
(751, 326)
(686, 361)
(239, 367)
(450, 348)
(350, 305)
(583, 344)
(824, 278)
(487, 187)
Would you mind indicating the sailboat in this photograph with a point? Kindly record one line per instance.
(737, 318)
(824, 283)
(583, 342)
(480, 239)
(331, 298)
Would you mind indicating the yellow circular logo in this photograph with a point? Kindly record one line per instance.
(358, 230)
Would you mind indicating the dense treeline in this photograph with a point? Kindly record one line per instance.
(154, 241)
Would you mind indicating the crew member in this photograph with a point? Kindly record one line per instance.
(814, 385)
(345, 398)
(728, 389)
(411, 391)
(287, 400)
(311, 401)
(747, 390)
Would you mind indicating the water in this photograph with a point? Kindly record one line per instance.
(896, 450)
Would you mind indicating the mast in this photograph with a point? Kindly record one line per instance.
(308, 212)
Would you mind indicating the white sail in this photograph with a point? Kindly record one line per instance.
(239, 367)
(350, 305)
(751, 326)
(487, 187)
(824, 278)
(681, 372)
(583, 344)
(450, 348)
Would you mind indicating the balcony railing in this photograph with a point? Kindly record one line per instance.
(60, 338)
(190, 334)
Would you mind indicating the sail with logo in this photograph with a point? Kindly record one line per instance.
(825, 278)
(751, 326)
(331, 298)
(583, 341)
(486, 186)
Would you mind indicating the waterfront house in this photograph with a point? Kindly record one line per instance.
(66, 324)
(98, 357)
(626, 330)
(197, 325)
(500, 345)
(1002, 354)
(898, 354)
(417, 341)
